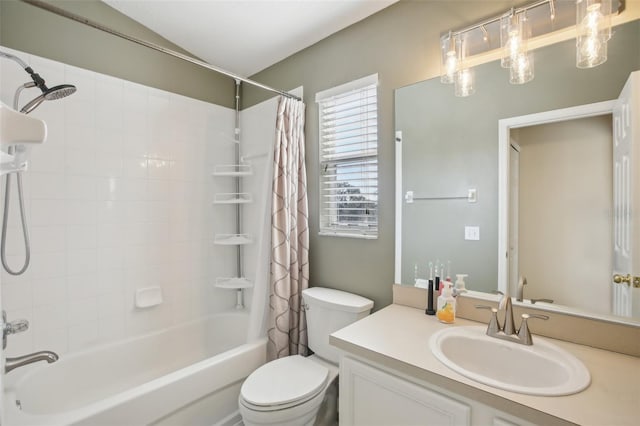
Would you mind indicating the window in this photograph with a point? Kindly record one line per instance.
(349, 159)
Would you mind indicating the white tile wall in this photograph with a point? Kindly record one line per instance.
(117, 198)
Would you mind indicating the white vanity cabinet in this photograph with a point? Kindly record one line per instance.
(373, 395)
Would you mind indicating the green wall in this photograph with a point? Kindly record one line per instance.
(401, 44)
(29, 29)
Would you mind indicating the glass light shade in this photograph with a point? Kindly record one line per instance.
(450, 59)
(465, 82)
(593, 24)
(521, 70)
(514, 34)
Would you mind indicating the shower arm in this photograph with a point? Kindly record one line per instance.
(19, 90)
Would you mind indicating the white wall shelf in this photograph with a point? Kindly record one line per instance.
(234, 283)
(233, 198)
(232, 170)
(232, 239)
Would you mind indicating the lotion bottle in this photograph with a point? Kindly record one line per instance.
(446, 310)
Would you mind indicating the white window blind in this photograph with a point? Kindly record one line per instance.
(349, 159)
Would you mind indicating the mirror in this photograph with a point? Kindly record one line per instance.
(449, 145)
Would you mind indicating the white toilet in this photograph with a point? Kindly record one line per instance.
(290, 391)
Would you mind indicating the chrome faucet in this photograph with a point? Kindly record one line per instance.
(20, 361)
(520, 292)
(507, 331)
(20, 326)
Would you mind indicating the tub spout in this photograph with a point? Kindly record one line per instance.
(19, 361)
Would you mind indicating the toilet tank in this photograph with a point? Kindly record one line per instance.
(329, 310)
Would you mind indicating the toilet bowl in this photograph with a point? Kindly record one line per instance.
(288, 391)
(291, 391)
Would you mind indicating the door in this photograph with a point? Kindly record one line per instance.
(2, 421)
(626, 200)
(514, 201)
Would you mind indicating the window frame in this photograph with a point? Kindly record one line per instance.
(367, 161)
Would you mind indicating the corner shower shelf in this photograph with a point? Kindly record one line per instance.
(232, 239)
(232, 198)
(233, 283)
(232, 170)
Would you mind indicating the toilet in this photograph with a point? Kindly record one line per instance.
(291, 391)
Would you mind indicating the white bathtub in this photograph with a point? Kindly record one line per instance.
(186, 374)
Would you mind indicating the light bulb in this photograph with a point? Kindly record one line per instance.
(593, 32)
(514, 44)
(451, 64)
(450, 58)
(590, 50)
(521, 70)
(514, 32)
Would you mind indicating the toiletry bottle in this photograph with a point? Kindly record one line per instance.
(446, 311)
(460, 284)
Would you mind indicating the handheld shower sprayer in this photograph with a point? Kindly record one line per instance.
(48, 94)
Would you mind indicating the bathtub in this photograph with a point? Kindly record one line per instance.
(187, 374)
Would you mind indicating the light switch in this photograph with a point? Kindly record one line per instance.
(472, 233)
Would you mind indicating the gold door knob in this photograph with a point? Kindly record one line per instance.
(628, 280)
(619, 279)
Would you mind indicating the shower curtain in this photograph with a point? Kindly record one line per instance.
(287, 329)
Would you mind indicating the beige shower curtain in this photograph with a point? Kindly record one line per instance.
(287, 328)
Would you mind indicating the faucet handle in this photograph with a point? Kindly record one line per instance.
(493, 327)
(13, 327)
(523, 333)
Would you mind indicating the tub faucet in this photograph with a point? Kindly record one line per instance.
(20, 361)
(520, 292)
(507, 331)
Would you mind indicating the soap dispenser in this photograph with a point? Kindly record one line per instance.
(460, 284)
(446, 311)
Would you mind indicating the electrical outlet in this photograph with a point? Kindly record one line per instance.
(472, 233)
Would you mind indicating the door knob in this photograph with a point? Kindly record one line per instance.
(628, 279)
(619, 279)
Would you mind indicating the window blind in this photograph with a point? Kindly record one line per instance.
(349, 162)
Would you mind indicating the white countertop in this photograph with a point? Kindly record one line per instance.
(397, 337)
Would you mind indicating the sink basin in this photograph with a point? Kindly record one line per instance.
(540, 369)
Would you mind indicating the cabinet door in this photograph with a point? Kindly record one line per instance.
(371, 397)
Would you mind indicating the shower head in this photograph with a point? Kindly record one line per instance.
(49, 94)
(59, 92)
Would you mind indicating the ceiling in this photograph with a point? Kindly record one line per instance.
(246, 36)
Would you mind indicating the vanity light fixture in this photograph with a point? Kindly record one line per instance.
(512, 39)
(594, 31)
(450, 58)
(515, 31)
(464, 84)
(514, 28)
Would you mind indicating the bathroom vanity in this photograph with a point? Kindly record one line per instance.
(389, 375)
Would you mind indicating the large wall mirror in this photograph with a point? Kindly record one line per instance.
(560, 218)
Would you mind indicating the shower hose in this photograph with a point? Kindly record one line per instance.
(5, 221)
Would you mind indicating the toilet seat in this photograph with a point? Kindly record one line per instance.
(283, 383)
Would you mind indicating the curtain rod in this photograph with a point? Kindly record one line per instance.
(85, 21)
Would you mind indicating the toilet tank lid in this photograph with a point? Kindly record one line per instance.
(336, 299)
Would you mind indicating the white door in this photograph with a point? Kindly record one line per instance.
(514, 202)
(626, 197)
(2, 422)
